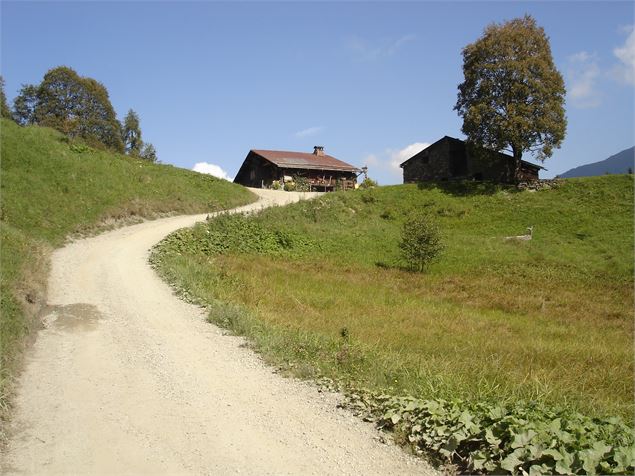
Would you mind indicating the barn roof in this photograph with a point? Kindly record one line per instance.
(303, 160)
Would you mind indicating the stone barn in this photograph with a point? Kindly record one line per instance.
(320, 171)
(450, 159)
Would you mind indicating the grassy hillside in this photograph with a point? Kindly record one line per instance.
(508, 347)
(52, 188)
(548, 320)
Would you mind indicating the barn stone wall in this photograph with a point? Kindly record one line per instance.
(451, 158)
(429, 164)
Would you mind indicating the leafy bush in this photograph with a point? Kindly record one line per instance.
(235, 234)
(522, 439)
(289, 186)
(368, 197)
(368, 183)
(301, 183)
(275, 185)
(420, 242)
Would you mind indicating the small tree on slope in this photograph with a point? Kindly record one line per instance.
(420, 242)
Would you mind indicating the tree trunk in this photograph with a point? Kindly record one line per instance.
(518, 154)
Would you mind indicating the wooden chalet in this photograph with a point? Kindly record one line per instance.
(322, 172)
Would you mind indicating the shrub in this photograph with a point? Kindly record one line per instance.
(275, 185)
(289, 186)
(420, 242)
(301, 183)
(368, 183)
(368, 197)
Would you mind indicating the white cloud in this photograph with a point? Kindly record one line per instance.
(582, 75)
(364, 51)
(625, 70)
(387, 163)
(211, 169)
(400, 156)
(311, 131)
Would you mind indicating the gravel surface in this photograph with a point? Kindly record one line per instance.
(125, 378)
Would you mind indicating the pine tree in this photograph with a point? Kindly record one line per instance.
(131, 134)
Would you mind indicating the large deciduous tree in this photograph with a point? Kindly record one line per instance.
(512, 98)
(131, 134)
(98, 118)
(74, 105)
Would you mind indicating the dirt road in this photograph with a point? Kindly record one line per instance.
(127, 379)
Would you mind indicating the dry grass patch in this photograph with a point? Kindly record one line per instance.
(549, 320)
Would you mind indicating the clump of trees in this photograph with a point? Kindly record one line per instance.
(131, 136)
(512, 98)
(80, 108)
(420, 242)
(74, 105)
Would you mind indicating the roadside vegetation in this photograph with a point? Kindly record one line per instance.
(53, 187)
(497, 338)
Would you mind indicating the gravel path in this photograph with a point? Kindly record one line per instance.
(127, 379)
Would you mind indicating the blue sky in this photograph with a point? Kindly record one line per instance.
(372, 82)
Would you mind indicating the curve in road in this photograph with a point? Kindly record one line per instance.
(125, 378)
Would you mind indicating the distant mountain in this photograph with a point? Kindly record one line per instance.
(616, 164)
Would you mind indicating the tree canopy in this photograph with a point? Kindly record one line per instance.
(149, 153)
(4, 107)
(512, 98)
(75, 105)
(24, 105)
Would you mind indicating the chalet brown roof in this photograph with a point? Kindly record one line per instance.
(303, 160)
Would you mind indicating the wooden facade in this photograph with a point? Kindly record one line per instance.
(319, 171)
(451, 158)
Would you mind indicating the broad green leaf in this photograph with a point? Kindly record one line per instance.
(491, 439)
(590, 460)
(555, 454)
(565, 465)
(625, 458)
(512, 460)
(478, 461)
(555, 425)
(522, 439)
(536, 469)
(601, 448)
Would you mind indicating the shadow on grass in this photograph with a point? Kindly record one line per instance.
(463, 188)
(399, 267)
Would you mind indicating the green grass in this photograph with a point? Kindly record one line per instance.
(320, 289)
(52, 188)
